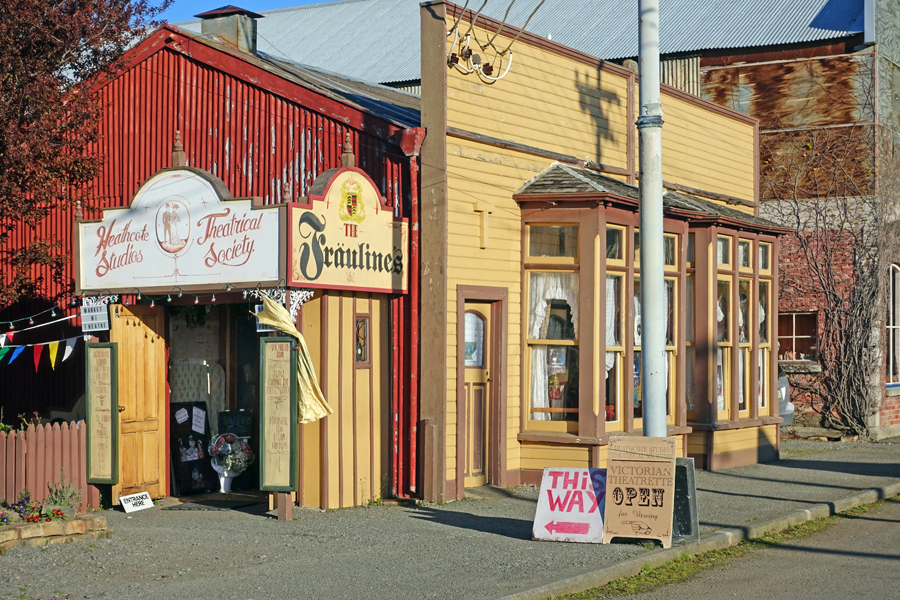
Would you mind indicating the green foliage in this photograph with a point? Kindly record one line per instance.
(63, 493)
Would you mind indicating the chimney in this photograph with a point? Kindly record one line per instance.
(234, 25)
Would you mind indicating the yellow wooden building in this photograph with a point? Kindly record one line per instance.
(530, 272)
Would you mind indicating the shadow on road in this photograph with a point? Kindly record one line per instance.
(517, 529)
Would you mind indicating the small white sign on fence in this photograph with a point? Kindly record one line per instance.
(95, 318)
(136, 502)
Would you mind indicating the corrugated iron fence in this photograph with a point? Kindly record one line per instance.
(44, 454)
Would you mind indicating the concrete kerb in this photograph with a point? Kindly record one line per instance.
(716, 540)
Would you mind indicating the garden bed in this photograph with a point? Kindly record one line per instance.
(81, 527)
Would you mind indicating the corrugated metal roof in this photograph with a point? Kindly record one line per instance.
(378, 40)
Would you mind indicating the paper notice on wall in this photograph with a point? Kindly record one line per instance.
(198, 423)
(181, 415)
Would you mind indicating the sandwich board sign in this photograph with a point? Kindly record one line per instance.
(641, 482)
(570, 507)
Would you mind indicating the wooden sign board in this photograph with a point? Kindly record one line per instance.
(570, 506)
(278, 415)
(102, 410)
(640, 483)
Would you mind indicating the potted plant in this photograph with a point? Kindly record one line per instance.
(231, 456)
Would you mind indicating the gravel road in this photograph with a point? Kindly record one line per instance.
(467, 549)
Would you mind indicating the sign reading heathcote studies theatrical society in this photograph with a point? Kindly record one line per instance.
(182, 228)
(347, 239)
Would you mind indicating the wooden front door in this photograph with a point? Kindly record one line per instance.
(138, 330)
(477, 348)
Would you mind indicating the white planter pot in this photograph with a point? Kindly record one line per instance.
(225, 476)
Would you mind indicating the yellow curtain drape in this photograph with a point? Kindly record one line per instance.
(312, 405)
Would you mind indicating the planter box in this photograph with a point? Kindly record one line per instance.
(81, 527)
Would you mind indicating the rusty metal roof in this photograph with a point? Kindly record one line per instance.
(560, 179)
(378, 40)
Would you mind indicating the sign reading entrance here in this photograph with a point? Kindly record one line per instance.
(102, 409)
(570, 507)
(278, 415)
(348, 239)
(181, 229)
(95, 318)
(136, 502)
(640, 480)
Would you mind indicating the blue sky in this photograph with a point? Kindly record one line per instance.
(183, 10)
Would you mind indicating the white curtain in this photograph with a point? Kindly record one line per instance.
(894, 322)
(540, 393)
(611, 302)
(720, 381)
(546, 287)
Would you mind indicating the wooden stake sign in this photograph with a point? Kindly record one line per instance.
(278, 415)
(640, 482)
(102, 398)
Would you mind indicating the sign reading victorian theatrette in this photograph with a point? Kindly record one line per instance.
(182, 228)
(346, 238)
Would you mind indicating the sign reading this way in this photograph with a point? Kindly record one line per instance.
(570, 506)
(347, 238)
(641, 484)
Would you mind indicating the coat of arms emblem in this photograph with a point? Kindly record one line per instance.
(352, 207)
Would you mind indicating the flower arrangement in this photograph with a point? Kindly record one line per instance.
(26, 507)
(231, 452)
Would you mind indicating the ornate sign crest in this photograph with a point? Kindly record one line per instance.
(352, 207)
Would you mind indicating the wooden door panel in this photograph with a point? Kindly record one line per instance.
(142, 371)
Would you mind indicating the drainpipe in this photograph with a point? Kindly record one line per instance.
(653, 317)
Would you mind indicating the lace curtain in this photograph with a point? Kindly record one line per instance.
(544, 289)
(611, 315)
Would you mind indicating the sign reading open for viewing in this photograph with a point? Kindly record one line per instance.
(182, 228)
(347, 238)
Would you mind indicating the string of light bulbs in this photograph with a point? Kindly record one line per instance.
(11, 324)
(178, 292)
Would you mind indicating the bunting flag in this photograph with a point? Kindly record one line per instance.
(53, 346)
(3, 352)
(37, 355)
(9, 335)
(2, 340)
(70, 345)
(15, 353)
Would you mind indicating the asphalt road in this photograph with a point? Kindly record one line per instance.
(856, 557)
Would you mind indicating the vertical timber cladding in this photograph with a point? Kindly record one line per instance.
(101, 395)
(278, 415)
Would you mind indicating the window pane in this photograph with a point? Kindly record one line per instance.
(362, 340)
(554, 383)
(804, 348)
(689, 309)
(474, 347)
(763, 312)
(744, 253)
(720, 379)
(762, 376)
(805, 324)
(764, 257)
(638, 392)
(637, 312)
(613, 385)
(743, 370)
(723, 250)
(637, 247)
(553, 240)
(893, 358)
(744, 324)
(670, 312)
(669, 250)
(553, 306)
(614, 243)
(614, 310)
(690, 248)
(785, 324)
(723, 311)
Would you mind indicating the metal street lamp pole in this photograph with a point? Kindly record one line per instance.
(653, 317)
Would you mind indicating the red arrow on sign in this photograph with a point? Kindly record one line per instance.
(566, 527)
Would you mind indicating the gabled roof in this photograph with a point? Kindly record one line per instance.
(378, 40)
(558, 180)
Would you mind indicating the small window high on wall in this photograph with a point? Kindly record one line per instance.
(798, 336)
